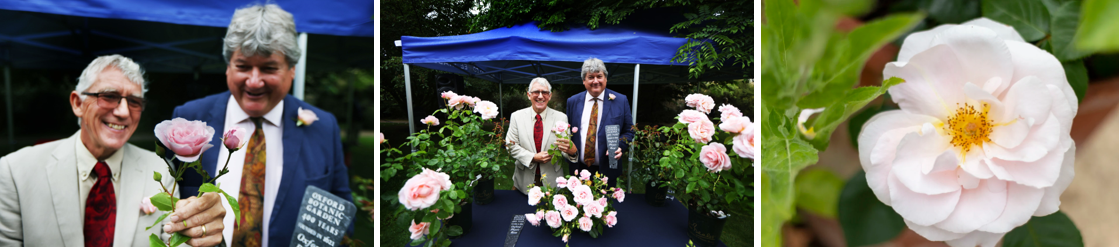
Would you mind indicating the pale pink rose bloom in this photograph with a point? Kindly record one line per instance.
(611, 219)
(621, 194)
(585, 223)
(565, 238)
(582, 194)
(605, 179)
(532, 219)
(603, 202)
(422, 190)
(487, 109)
(458, 101)
(560, 127)
(612, 97)
(559, 202)
(585, 175)
(553, 219)
(953, 182)
(187, 139)
(691, 116)
(569, 213)
(744, 144)
(147, 207)
(235, 138)
(306, 117)
(474, 101)
(574, 129)
(593, 209)
(448, 95)
(736, 124)
(728, 111)
(534, 196)
(419, 230)
(701, 131)
(430, 120)
(540, 214)
(701, 102)
(380, 137)
(572, 182)
(714, 157)
(561, 182)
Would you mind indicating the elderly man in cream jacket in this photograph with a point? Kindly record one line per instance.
(530, 135)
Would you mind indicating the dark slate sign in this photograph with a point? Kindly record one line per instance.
(323, 219)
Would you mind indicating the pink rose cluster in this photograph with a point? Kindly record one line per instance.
(187, 139)
(422, 191)
(701, 102)
(561, 128)
(581, 209)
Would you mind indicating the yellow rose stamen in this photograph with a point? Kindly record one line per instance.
(969, 127)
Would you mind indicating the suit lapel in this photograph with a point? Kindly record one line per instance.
(578, 121)
(293, 138)
(531, 125)
(132, 184)
(217, 121)
(63, 182)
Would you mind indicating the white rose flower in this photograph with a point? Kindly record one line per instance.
(981, 142)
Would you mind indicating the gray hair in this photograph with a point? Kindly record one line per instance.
(539, 80)
(130, 69)
(262, 29)
(592, 65)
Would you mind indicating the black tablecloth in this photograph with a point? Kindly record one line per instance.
(639, 224)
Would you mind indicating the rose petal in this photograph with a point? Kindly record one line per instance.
(934, 82)
(1028, 60)
(977, 238)
(1004, 32)
(977, 207)
(878, 142)
(1010, 135)
(1041, 173)
(921, 208)
(982, 55)
(980, 96)
(1042, 138)
(1028, 100)
(974, 165)
(931, 232)
(1021, 202)
(1052, 199)
(916, 157)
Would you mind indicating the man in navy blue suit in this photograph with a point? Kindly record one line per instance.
(591, 111)
(282, 158)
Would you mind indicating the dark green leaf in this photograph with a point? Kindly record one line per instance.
(865, 219)
(1077, 76)
(236, 208)
(952, 11)
(1063, 28)
(1053, 230)
(454, 231)
(1029, 17)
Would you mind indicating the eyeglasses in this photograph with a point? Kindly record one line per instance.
(112, 100)
(540, 93)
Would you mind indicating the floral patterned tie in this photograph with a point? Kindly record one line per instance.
(100, 209)
(251, 198)
(592, 129)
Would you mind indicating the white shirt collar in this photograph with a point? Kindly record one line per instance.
(86, 161)
(238, 115)
(589, 97)
(543, 115)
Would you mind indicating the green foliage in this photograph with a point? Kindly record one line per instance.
(865, 219)
(693, 183)
(818, 191)
(811, 66)
(1097, 30)
(725, 25)
(1029, 17)
(1052, 230)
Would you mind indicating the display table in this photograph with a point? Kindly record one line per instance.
(639, 224)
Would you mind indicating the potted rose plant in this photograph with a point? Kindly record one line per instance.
(646, 145)
(432, 197)
(578, 202)
(708, 176)
(460, 147)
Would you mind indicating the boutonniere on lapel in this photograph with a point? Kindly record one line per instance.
(611, 96)
(306, 117)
